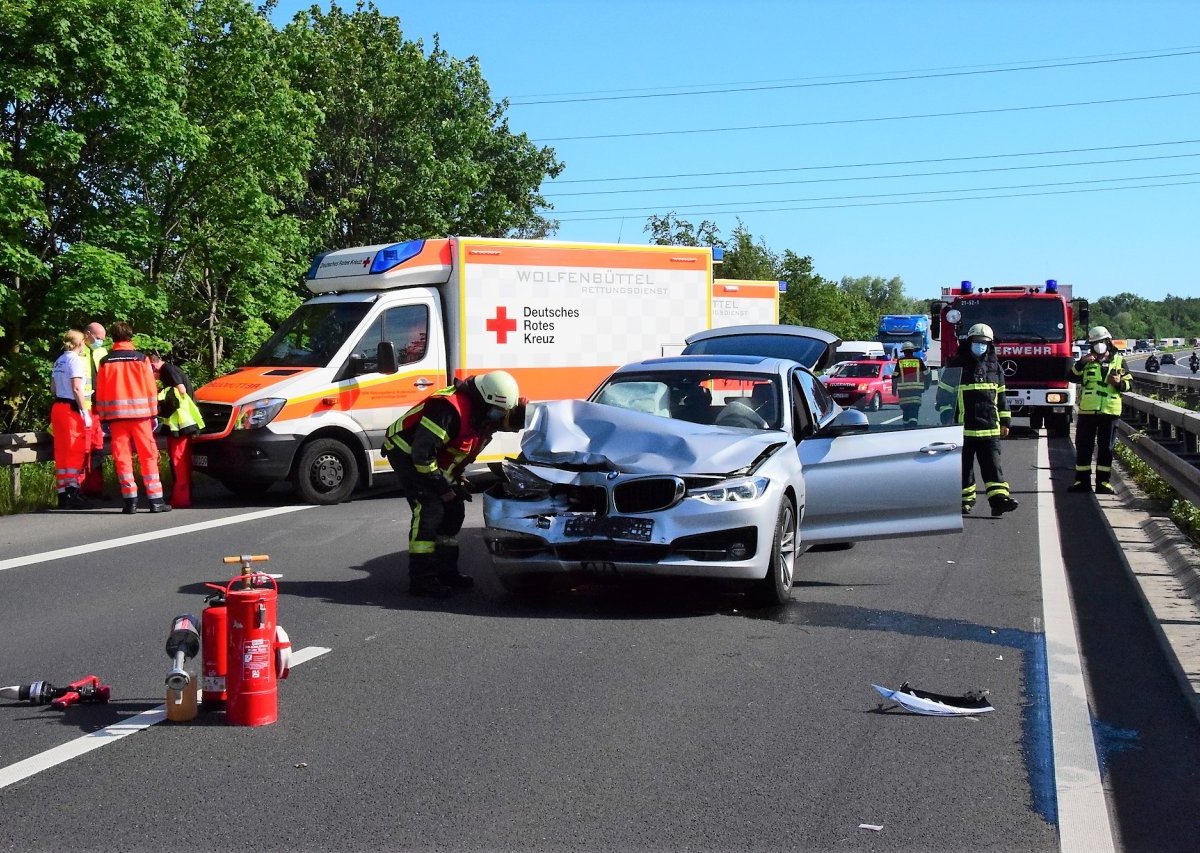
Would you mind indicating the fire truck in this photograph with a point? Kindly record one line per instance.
(1033, 327)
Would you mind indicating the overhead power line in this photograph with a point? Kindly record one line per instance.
(683, 86)
(874, 177)
(653, 208)
(819, 84)
(889, 203)
(866, 120)
(878, 163)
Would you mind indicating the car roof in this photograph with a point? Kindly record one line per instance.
(743, 363)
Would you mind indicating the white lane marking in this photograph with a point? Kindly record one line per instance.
(892, 420)
(35, 764)
(47, 556)
(1082, 811)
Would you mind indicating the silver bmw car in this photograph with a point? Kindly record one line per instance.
(718, 466)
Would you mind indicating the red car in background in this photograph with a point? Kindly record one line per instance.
(865, 384)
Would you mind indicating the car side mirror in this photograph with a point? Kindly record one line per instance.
(386, 357)
(849, 421)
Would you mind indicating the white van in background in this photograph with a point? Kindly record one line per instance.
(859, 350)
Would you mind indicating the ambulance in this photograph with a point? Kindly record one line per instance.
(739, 303)
(390, 324)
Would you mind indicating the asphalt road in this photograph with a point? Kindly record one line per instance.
(662, 716)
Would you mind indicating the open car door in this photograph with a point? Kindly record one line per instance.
(877, 475)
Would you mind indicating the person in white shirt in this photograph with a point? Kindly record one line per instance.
(70, 419)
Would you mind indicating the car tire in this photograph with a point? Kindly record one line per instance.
(876, 402)
(326, 473)
(776, 588)
(247, 488)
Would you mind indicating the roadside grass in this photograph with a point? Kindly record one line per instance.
(37, 485)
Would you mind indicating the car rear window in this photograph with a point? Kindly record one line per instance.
(804, 350)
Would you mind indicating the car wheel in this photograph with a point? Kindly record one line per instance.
(776, 587)
(327, 472)
(247, 488)
(876, 402)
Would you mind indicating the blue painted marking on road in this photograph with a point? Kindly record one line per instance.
(1111, 740)
(1038, 742)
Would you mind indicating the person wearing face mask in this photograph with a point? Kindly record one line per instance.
(430, 447)
(1102, 378)
(92, 353)
(979, 404)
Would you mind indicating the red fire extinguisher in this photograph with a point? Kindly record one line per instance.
(257, 651)
(214, 655)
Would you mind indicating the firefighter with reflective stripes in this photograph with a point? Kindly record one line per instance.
(127, 400)
(1102, 378)
(979, 404)
(430, 447)
(911, 381)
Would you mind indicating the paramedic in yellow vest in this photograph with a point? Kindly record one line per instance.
(912, 380)
(93, 351)
(181, 418)
(430, 447)
(1102, 378)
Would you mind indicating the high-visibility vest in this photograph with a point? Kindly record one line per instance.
(186, 418)
(979, 402)
(457, 451)
(910, 381)
(92, 356)
(125, 386)
(1096, 395)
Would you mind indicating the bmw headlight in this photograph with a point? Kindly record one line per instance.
(743, 489)
(520, 482)
(259, 413)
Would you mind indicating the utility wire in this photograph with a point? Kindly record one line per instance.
(869, 165)
(873, 177)
(1133, 53)
(889, 203)
(812, 85)
(865, 120)
(631, 210)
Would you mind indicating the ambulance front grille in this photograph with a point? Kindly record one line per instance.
(216, 417)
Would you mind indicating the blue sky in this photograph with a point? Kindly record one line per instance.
(805, 63)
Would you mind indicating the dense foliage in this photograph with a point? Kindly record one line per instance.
(177, 164)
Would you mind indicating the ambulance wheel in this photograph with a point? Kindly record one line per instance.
(326, 473)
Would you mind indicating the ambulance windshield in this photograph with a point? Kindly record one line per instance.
(311, 336)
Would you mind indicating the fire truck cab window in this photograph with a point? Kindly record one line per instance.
(1032, 320)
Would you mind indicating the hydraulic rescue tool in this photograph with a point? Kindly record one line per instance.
(183, 644)
(86, 690)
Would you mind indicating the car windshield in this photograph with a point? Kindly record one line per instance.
(917, 339)
(725, 398)
(859, 369)
(1040, 320)
(311, 336)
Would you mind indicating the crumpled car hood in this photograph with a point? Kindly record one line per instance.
(580, 434)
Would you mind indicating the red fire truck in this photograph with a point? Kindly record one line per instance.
(1033, 327)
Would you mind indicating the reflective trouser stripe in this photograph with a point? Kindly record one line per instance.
(70, 445)
(996, 489)
(128, 437)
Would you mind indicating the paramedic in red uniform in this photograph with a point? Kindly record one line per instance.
(69, 421)
(127, 400)
(430, 447)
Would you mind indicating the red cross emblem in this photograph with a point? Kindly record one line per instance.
(501, 324)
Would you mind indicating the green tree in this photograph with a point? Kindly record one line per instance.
(670, 230)
(410, 145)
(747, 260)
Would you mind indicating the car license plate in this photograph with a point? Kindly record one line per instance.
(618, 527)
(840, 397)
(199, 461)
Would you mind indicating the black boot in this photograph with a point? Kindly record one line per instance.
(446, 560)
(423, 580)
(1103, 487)
(1003, 504)
(1080, 486)
(129, 506)
(74, 499)
(62, 500)
(158, 505)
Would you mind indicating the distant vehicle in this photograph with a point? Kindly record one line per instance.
(1167, 358)
(863, 384)
(859, 350)
(896, 330)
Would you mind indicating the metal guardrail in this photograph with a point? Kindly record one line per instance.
(20, 448)
(1163, 435)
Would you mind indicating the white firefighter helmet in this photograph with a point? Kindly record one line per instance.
(1098, 333)
(498, 388)
(981, 330)
(908, 346)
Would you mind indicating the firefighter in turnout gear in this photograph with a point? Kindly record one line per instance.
(1102, 378)
(979, 404)
(430, 447)
(911, 380)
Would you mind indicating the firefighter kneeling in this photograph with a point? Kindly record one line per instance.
(430, 447)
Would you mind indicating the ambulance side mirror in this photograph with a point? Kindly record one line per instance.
(385, 355)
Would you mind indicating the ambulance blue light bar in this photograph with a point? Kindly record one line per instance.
(783, 287)
(718, 254)
(966, 287)
(396, 254)
(1051, 285)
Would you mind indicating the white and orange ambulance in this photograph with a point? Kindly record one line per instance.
(737, 303)
(390, 324)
